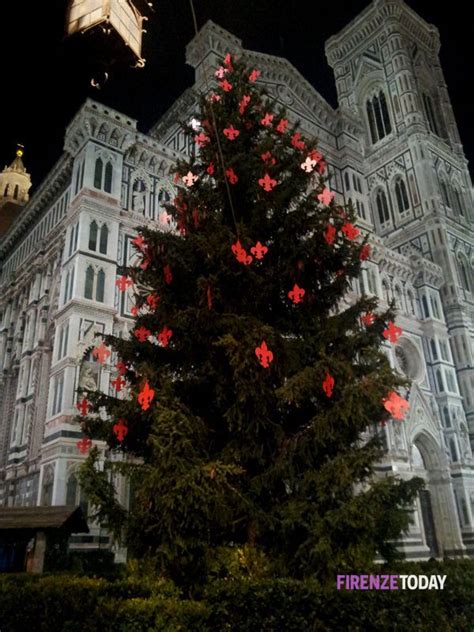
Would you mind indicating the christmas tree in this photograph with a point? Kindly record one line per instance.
(249, 397)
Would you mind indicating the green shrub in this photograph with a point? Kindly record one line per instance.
(66, 603)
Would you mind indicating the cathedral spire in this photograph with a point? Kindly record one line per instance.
(15, 181)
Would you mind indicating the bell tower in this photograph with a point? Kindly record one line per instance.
(15, 183)
(388, 75)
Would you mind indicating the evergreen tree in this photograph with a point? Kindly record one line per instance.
(254, 393)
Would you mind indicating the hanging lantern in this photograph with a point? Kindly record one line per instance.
(114, 29)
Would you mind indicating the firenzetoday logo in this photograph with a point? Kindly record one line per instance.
(390, 582)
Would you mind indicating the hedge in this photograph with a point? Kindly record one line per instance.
(65, 603)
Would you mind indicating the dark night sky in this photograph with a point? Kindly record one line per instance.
(44, 82)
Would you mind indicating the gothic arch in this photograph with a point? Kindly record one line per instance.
(430, 450)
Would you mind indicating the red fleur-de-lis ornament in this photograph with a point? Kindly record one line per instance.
(368, 319)
(121, 368)
(315, 155)
(396, 405)
(101, 353)
(118, 383)
(267, 120)
(123, 283)
(141, 334)
(282, 125)
(296, 294)
(228, 61)
(267, 183)
(326, 197)
(328, 384)
(164, 336)
(120, 430)
(259, 250)
(268, 158)
(145, 397)
(392, 332)
(84, 445)
(254, 75)
(350, 231)
(83, 407)
(264, 355)
(201, 139)
(225, 85)
(231, 133)
(296, 141)
(153, 300)
(244, 103)
(231, 176)
(330, 234)
(210, 169)
(220, 72)
(241, 254)
(167, 274)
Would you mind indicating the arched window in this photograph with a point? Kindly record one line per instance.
(89, 286)
(414, 192)
(371, 119)
(382, 207)
(398, 297)
(16, 192)
(434, 306)
(104, 237)
(347, 181)
(378, 117)
(401, 194)
(139, 196)
(426, 309)
(463, 273)
(444, 193)
(99, 293)
(93, 230)
(450, 381)
(66, 287)
(76, 236)
(71, 240)
(5, 193)
(47, 487)
(71, 490)
(71, 285)
(446, 417)
(453, 449)
(434, 352)
(99, 168)
(362, 281)
(371, 281)
(411, 303)
(430, 114)
(108, 177)
(457, 201)
(439, 380)
(384, 111)
(74, 494)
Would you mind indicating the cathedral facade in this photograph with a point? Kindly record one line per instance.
(393, 150)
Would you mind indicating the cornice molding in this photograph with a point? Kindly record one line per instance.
(380, 16)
